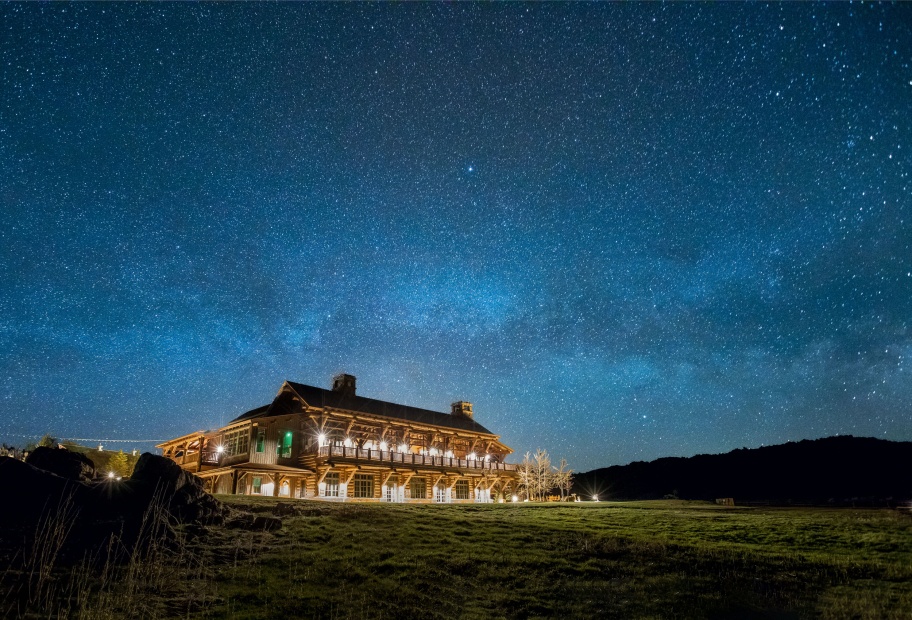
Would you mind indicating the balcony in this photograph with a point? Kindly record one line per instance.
(407, 458)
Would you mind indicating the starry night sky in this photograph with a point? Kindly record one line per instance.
(621, 231)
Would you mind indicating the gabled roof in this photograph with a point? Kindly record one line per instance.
(318, 397)
(253, 413)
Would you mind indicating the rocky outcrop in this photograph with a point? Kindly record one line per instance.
(138, 512)
(63, 462)
(182, 492)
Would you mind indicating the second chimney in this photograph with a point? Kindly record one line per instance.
(461, 409)
(344, 384)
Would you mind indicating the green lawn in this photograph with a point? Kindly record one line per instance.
(669, 559)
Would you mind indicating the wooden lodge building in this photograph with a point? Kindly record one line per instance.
(332, 444)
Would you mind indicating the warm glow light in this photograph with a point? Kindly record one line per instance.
(487, 457)
(347, 443)
(403, 447)
(516, 498)
(321, 439)
(433, 451)
(595, 498)
(219, 449)
(449, 454)
(111, 474)
(471, 456)
(384, 446)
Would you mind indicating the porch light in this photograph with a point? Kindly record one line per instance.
(487, 457)
(433, 451)
(219, 449)
(515, 498)
(383, 446)
(347, 443)
(471, 456)
(595, 498)
(403, 447)
(449, 454)
(111, 474)
(321, 440)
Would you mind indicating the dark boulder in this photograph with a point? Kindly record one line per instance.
(139, 513)
(65, 463)
(156, 478)
(31, 492)
(181, 492)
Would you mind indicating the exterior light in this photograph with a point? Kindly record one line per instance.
(111, 474)
(383, 446)
(449, 454)
(471, 456)
(219, 449)
(487, 457)
(347, 443)
(515, 498)
(595, 498)
(403, 447)
(321, 440)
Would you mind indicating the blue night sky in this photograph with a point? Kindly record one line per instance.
(621, 231)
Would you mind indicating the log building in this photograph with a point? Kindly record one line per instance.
(310, 442)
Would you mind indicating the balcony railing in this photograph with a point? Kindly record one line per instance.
(407, 458)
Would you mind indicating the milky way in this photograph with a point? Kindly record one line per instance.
(621, 231)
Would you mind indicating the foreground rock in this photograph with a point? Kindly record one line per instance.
(182, 492)
(138, 512)
(64, 463)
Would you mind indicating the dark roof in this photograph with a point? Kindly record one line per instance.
(318, 397)
(253, 413)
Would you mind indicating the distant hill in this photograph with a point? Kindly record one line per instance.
(834, 470)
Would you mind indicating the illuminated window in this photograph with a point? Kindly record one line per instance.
(257, 484)
(332, 484)
(261, 440)
(364, 485)
(418, 488)
(461, 490)
(283, 447)
(236, 442)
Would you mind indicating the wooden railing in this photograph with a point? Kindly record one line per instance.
(408, 458)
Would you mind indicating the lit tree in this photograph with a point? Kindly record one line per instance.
(544, 476)
(563, 478)
(119, 464)
(526, 479)
(48, 441)
(537, 476)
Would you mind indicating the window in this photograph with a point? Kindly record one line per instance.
(418, 488)
(364, 485)
(331, 482)
(236, 442)
(283, 446)
(257, 484)
(461, 490)
(261, 440)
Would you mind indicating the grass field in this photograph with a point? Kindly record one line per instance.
(669, 559)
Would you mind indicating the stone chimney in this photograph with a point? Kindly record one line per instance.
(461, 409)
(344, 384)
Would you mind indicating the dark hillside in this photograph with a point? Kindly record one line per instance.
(834, 470)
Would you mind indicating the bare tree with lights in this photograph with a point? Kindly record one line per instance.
(563, 478)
